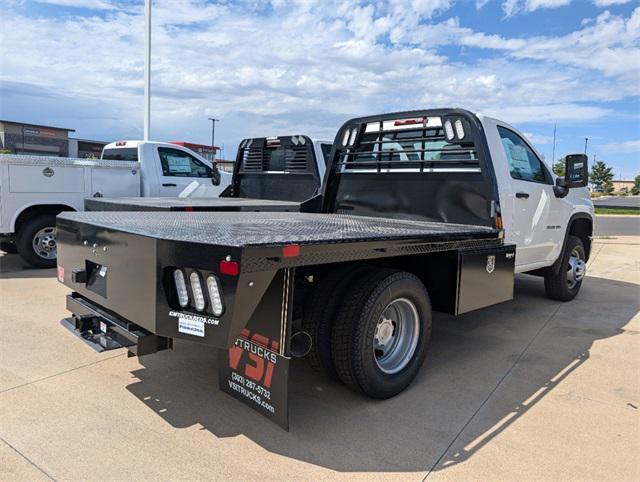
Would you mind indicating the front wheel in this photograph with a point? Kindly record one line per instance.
(381, 333)
(36, 242)
(565, 284)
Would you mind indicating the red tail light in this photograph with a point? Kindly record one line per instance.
(407, 122)
(291, 251)
(231, 268)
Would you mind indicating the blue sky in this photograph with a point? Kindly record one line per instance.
(287, 66)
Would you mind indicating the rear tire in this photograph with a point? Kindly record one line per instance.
(36, 241)
(565, 285)
(320, 312)
(381, 334)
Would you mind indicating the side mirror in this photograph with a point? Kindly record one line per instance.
(576, 172)
(560, 189)
(215, 176)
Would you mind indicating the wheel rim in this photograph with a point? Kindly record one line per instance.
(44, 243)
(396, 336)
(576, 269)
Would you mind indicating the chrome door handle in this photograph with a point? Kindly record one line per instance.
(169, 184)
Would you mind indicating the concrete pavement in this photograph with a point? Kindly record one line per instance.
(529, 389)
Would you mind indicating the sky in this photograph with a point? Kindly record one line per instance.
(305, 67)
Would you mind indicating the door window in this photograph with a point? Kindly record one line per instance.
(179, 163)
(326, 152)
(523, 162)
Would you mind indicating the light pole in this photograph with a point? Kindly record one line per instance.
(147, 69)
(213, 136)
(586, 141)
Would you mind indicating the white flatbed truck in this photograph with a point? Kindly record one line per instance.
(431, 209)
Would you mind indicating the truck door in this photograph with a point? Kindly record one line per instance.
(179, 169)
(530, 200)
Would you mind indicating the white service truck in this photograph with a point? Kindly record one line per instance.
(34, 189)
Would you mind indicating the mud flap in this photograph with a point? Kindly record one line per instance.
(255, 370)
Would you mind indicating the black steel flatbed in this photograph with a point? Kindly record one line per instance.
(323, 238)
(188, 204)
(269, 229)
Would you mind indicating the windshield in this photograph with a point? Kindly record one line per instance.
(120, 154)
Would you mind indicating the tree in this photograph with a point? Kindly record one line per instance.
(608, 187)
(635, 190)
(558, 168)
(601, 176)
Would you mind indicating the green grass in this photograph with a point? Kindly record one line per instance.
(622, 211)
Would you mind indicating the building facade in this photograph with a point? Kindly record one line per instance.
(34, 139)
(621, 185)
(206, 151)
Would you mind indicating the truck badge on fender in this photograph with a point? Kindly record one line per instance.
(491, 263)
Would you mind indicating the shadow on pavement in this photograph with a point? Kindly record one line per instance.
(12, 266)
(527, 346)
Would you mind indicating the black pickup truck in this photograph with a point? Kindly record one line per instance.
(409, 221)
(270, 174)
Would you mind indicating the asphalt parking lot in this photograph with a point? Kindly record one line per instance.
(529, 389)
(619, 201)
(615, 225)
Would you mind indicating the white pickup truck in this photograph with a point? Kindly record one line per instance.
(34, 189)
(275, 173)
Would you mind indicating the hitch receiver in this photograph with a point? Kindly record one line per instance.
(103, 331)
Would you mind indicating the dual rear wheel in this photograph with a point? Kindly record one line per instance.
(372, 334)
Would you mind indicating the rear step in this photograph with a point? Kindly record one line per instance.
(103, 331)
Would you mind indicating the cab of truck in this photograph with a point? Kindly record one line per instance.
(454, 166)
(168, 169)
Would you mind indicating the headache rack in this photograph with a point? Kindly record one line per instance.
(409, 145)
(280, 155)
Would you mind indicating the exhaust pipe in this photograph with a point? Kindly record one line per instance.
(300, 344)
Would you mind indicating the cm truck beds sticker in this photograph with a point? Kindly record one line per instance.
(257, 376)
(191, 327)
(193, 324)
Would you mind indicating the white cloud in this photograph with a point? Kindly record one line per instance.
(538, 138)
(608, 3)
(533, 5)
(301, 66)
(610, 44)
(623, 147)
(512, 7)
(90, 4)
